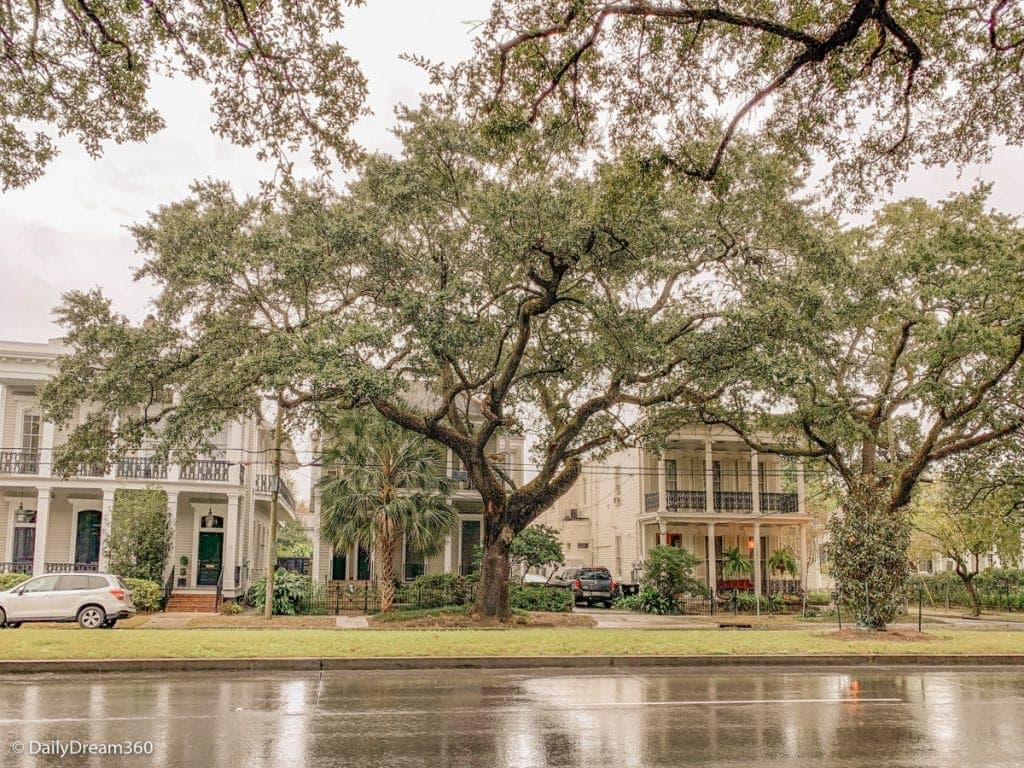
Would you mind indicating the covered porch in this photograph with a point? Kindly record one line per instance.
(756, 539)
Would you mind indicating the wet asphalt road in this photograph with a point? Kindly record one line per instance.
(871, 718)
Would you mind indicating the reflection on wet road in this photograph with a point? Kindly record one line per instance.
(881, 717)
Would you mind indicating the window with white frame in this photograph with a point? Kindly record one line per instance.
(671, 475)
(31, 431)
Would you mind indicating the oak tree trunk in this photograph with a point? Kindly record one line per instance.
(492, 597)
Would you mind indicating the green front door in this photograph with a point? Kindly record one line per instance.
(210, 547)
(339, 565)
(87, 538)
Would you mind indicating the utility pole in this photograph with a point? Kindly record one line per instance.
(268, 607)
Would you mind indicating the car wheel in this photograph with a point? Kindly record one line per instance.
(91, 617)
(14, 625)
(3, 618)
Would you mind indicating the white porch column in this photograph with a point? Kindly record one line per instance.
(448, 554)
(662, 533)
(709, 477)
(755, 483)
(230, 558)
(42, 524)
(801, 497)
(712, 565)
(172, 518)
(757, 568)
(662, 485)
(803, 557)
(46, 451)
(106, 520)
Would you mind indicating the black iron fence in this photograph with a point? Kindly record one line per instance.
(71, 567)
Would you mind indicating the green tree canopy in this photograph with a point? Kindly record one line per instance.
(464, 289)
(871, 85)
(669, 571)
(385, 485)
(882, 351)
(278, 79)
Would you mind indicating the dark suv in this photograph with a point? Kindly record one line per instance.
(589, 585)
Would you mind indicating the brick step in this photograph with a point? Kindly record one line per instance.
(187, 603)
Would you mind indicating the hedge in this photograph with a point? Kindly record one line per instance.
(540, 598)
(9, 580)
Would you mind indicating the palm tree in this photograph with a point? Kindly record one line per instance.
(735, 563)
(388, 482)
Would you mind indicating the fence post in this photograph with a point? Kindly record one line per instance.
(366, 598)
(947, 596)
(920, 604)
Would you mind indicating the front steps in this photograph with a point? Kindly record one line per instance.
(192, 602)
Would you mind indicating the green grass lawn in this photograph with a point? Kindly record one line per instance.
(47, 643)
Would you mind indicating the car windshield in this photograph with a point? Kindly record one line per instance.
(595, 573)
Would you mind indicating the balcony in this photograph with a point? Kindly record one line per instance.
(71, 567)
(19, 462)
(141, 468)
(728, 502)
(265, 485)
(209, 470)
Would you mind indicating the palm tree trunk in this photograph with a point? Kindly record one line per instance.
(386, 542)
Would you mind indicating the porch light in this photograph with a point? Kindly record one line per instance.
(209, 521)
(750, 543)
(24, 516)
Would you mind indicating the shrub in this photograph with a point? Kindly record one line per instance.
(292, 593)
(10, 580)
(540, 598)
(820, 597)
(649, 600)
(232, 609)
(147, 594)
(668, 571)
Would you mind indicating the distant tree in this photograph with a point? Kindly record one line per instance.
(277, 77)
(669, 571)
(869, 85)
(975, 509)
(293, 540)
(385, 486)
(141, 536)
(537, 546)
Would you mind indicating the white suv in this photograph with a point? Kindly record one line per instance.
(94, 600)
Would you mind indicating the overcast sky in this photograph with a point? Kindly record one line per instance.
(68, 229)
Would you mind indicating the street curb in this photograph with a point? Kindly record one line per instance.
(315, 664)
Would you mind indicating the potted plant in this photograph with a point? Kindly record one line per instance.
(782, 562)
(183, 571)
(735, 564)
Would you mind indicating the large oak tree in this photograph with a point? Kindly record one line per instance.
(467, 288)
(884, 351)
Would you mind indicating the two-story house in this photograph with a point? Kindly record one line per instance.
(219, 505)
(706, 491)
